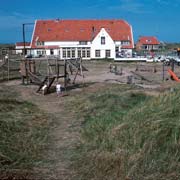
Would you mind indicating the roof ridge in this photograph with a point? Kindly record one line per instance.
(58, 19)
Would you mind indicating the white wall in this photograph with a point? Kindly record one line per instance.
(48, 52)
(66, 44)
(96, 45)
(19, 49)
(62, 43)
(118, 43)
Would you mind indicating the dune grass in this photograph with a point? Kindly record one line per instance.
(129, 135)
(24, 135)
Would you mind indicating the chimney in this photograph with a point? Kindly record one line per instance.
(93, 33)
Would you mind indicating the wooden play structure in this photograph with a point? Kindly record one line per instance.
(173, 75)
(9, 69)
(114, 69)
(171, 71)
(140, 77)
(145, 68)
(47, 71)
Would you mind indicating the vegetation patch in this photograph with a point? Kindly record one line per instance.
(24, 132)
(129, 135)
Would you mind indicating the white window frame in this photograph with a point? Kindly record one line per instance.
(103, 40)
(108, 53)
(39, 43)
(97, 53)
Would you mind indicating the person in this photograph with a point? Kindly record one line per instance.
(58, 89)
(44, 89)
(6, 57)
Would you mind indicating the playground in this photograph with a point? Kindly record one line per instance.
(78, 78)
(74, 73)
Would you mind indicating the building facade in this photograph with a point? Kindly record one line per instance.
(147, 43)
(19, 47)
(89, 39)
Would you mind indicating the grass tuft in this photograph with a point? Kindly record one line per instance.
(129, 135)
(24, 136)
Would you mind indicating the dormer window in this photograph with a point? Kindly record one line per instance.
(103, 40)
(81, 30)
(83, 42)
(148, 40)
(39, 43)
(66, 30)
(125, 43)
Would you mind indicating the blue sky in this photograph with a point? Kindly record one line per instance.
(148, 17)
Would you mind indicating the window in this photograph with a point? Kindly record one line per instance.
(108, 53)
(125, 42)
(83, 52)
(66, 30)
(51, 51)
(79, 53)
(97, 53)
(145, 47)
(68, 52)
(83, 42)
(39, 43)
(76, 52)
(64, 52)
(39, 52)
(59, 52)
(148, 40)
(82, 30)
(73, 52)
(88, 53)
(103, 40)
(117, 49)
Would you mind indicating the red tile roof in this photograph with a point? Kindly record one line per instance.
(80, 30)
(22, 44)
(148, 40)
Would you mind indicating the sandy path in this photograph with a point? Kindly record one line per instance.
(65, 134)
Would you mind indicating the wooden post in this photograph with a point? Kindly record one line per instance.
(75, 76)
(58, 70)
(172, 65)
(3, 75)
(65, 74)
(155, 70)
(81, 69)
(163, 70)
(121, 71)
(22, 79)
(48, 70)
(8, 67)
(56, 67)
(24, 41)
(27, 69)
(137, 67)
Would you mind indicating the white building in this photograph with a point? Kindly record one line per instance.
(148, 43)
(19, 46)
(89, 39)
